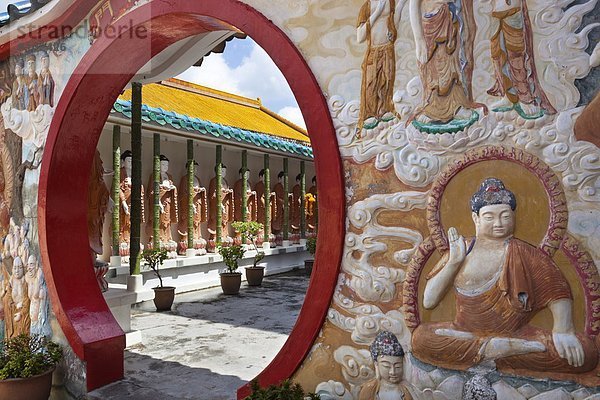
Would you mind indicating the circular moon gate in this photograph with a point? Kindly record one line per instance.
(79, 117)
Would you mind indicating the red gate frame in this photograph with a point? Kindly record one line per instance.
(79, 117)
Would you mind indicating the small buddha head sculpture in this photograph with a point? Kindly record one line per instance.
(31, 64)
(493, 210)
(164, 164)
(388, 357)
(187, 164)
(244, 173)
(18, 270)
(19, 67)
(223, 171)
(298, 178)
(126, 159)
(45, 59)
(280, 176)
(32, 266)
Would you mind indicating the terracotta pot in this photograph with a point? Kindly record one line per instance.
(308, 266)
(163, 297)
(231, 282)
(255, 275)
(35, 388)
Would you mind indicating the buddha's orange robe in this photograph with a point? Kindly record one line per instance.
(529, 282)
(370, 391)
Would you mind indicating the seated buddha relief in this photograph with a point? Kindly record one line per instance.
(500, 283)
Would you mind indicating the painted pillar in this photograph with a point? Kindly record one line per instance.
(116, 222)
(136, 178)
(302, 203)
(219, 195)
(190, 183)
(156, 190)
(286, 200)
(267, 216)
(244, 185)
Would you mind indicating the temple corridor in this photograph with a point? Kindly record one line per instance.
(210, 344)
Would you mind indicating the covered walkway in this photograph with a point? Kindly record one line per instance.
(209, 344)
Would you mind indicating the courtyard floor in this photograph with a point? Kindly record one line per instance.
(210, 344)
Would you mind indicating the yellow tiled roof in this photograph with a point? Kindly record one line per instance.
(216, 106)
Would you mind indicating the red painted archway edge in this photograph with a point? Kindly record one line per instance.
(78, 120)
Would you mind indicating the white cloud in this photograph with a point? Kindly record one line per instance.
(294, 115)
(255, 76)
(214, 73)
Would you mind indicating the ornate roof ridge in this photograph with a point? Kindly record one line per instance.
(207, 128)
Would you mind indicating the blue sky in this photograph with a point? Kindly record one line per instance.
(245, 69)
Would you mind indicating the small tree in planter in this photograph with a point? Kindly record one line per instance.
(311, 247)
(231, 280)
(163, 295)
(250, 230)
(26, 366)
(286, 390)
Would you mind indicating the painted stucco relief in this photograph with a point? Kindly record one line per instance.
(493, 81)
(30, 87)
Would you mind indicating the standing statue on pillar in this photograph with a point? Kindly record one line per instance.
(278, 221)
(200, 212)
(99, 204)
(512, 48)
(46, 82)
(19, 86)
(296, 210)
(32, 97)
(251, 199)
(259, 188)
(311, 208)
(376, 25)
(125, 204)
(167, 192)
(226, 208)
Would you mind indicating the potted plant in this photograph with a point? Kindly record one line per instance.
(231, 280)
(26, 366)
(311, 247)
(286, 390)
(251, 230)
(163, 295)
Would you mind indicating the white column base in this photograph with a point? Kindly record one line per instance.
(190, 252)
(135, 283)
(115, 261)
(303, 242)
(266, 245)
(287, 243)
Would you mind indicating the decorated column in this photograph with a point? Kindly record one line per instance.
(136, 178)
(303, 201)
(156, 192)
(267, 194)
(116, 223)
(286, 200)
(244, 185)
(219, 194)
(190, 182)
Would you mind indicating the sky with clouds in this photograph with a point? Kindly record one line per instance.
(244, 68)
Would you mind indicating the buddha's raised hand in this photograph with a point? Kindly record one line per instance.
(458, 247)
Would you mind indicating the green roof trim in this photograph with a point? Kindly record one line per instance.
(206, 128)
